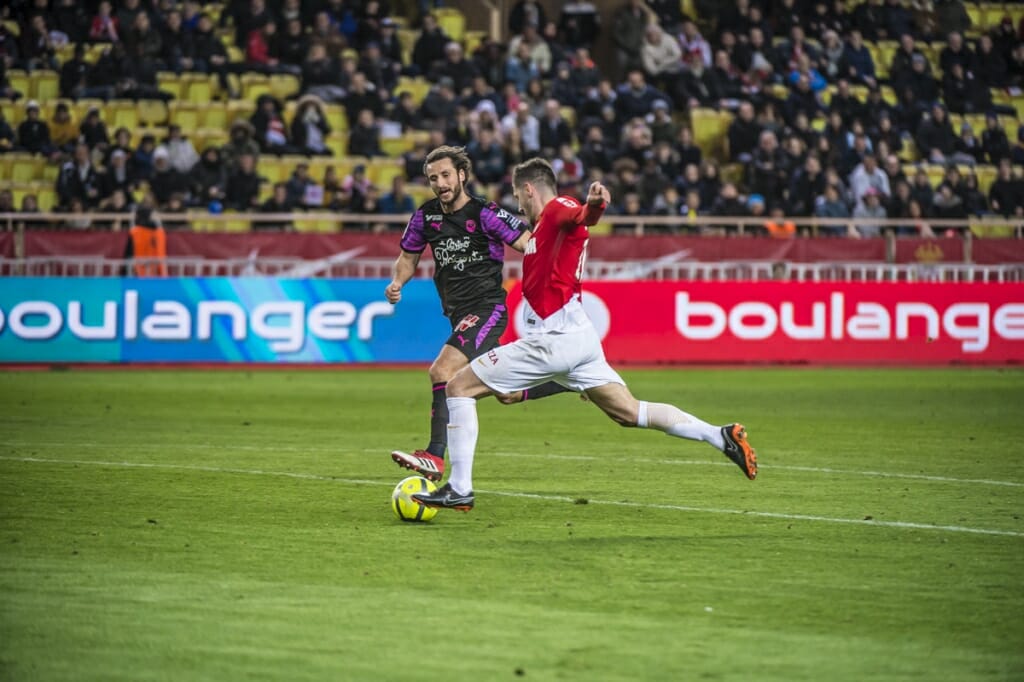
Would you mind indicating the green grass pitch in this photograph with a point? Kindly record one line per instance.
(228, 525)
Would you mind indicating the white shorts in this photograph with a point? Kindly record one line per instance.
(574, 359)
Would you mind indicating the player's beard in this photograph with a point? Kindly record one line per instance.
(456, 193)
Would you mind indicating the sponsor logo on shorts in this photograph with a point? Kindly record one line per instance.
(468, 322)
(492, 356)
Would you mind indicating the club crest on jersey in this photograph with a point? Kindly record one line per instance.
(471, 226)
(467, 322)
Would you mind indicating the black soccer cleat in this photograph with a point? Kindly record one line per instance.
(445, 497)
(738, 449)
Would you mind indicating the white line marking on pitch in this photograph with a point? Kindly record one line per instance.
(532, 496)
(520, 455)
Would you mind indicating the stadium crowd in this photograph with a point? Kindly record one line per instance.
(817, 128)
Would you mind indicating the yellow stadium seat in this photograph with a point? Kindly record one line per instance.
(452, 21)
(200, 90)
(26, 168)
(200, 221)
(420, 193)
(184, 114)
(710, 130)
(235, 225)
(13, 27)
(472, 40)
(20, 81)
(214, 10)
(94, 51)
(382, 171)
(976, 15)
(988, 231)
(81, 108)
(336, 117)
(46, 85)
(273, 169)
(169, 82)
(214, 115)
(338, 144)
(14, 113)
(417, 87)
(407, 39)
(254, 85)
(992, 12)
(121, 113)
(284, 85)
(1016, 12)
(602, 229)
(316, 225)
(396, 146)
(50, 172)
(878, 57)
(986, 176)
(152, 112)
(209, 137)
(237, 109)
(47, 197)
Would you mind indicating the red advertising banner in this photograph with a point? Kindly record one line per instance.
(791, 322)
(612, 248)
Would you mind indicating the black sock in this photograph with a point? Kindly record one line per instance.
(438, 421)
(543, 391)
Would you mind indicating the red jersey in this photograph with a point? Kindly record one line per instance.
(554, 257)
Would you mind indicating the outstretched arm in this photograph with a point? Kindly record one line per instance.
(589, 213)
(405, 268)
(520, 243)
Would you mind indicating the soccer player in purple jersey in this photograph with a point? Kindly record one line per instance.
(467, 237)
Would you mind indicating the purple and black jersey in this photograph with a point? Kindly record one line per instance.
(468, 248)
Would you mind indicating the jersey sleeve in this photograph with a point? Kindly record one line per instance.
(572, 213)
(500, 225)
(413, 239)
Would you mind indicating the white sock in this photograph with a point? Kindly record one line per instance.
(675, 422)
(463, 428)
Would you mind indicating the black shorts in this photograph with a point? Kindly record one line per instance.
(476, 330)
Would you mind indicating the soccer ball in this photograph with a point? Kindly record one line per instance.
(406, 508)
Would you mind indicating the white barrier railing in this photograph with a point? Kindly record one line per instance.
(380, 268)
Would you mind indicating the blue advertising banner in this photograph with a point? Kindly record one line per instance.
(217, 320)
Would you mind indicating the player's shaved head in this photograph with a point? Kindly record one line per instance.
(536, 171)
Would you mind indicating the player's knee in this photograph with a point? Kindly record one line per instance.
(438, 373)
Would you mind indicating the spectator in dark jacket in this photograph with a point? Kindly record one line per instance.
(429, 47)
(744, 132)
(857, 64)
(364, 137)
(1006, 195)
(636, 97)
(33, 132)
(309, 127)
(994, 141)
(209, 177)
(79, 180)
(935, 137)
(243, 188)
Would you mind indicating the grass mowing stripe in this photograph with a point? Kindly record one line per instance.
(549, 498)
(571, 458)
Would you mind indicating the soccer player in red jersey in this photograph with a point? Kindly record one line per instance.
(467, 238)
(560, 343)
